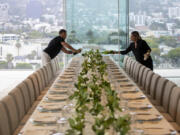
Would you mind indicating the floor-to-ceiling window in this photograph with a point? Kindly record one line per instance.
(26, 27)
(158, 21)
(101, 24)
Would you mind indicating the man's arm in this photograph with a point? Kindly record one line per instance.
(66, 51)
(66, 45)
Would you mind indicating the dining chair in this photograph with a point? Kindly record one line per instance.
(125, 61)
(40, 82)
(34, 101)
(176, 124)
(131, 71)
(166, 96)
(19, 101)
(134, 70)
(173, 105)
(45, 75)
(153, 87)
(26, 95)
(148, 82)
(40, 72)
(128, 65)
(136, 73)
(174, 99)
(34, 80)
(144, 76)
(140, 76)
(5, 128)
(31, 90)
(12, 112)
(160, 90)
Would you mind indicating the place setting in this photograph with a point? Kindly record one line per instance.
(57, 92)
(61, 86)
(129, 91)
(61, 98)
(62, 109)
(44, 121)
(49, 108)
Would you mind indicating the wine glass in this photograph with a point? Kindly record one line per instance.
(134, 129)
(62, 126)
(136, 132)
(124, 106)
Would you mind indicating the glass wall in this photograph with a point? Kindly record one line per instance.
(158, 21)
(101, 24)
(26, 27)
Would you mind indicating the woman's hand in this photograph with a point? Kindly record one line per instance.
(116, 52)
(146, 55)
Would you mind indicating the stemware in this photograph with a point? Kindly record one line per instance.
(62, 126)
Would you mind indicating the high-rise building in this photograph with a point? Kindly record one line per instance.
(4, 8)
(174, 12)
(138, 19)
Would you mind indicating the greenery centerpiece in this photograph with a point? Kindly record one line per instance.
(97, 105)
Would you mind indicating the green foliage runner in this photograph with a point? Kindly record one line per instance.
(96, 102)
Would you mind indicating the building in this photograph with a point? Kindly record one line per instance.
(157, 33)
(4, 9)
(139, 19)
(7, 37)
(174, 12)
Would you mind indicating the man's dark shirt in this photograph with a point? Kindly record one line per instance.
(54, 47)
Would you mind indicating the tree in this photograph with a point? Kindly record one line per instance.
(72, 38)
(18, 46)
(152, 42)
(23, 66)
(9, 59)
(174, 55)
(156, 51)
(35, 35)
(168, 40)
(90, 36)
(114, 37)
(32, 55)
(158, 26)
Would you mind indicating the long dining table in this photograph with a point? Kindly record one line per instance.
(44, 119)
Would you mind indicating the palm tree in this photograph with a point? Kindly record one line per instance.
(18, 46)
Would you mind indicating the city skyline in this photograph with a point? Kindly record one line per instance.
(35, 20)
